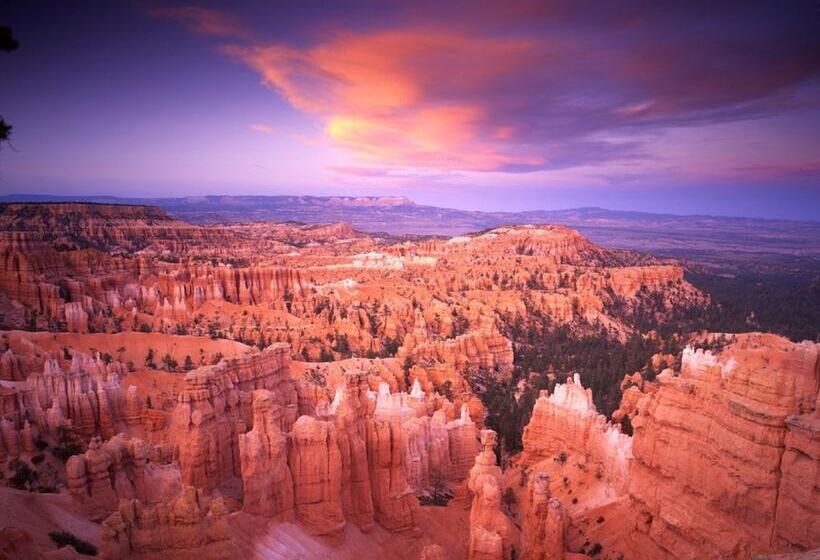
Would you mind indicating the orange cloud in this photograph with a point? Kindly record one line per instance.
(392, 98)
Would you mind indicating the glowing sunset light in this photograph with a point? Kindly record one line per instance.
(524, 97)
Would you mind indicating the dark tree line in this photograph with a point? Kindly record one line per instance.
(7, 44)
(546, 354)
(783, 305)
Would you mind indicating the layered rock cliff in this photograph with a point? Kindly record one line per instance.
(712, 465)
(723, 457)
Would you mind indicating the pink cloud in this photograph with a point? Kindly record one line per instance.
(263, 128)
(388, 98)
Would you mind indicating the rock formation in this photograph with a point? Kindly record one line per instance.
(87, 398)
(114, 470)
(352, 405)
(192, 523)
(797, 516)
(432, 552)
(567, 421)
(391, 337)
(393, 500)
(717, 456)
(543, 532)
(316, 466)
(18, 544)
(716, 451)
(493, 535)
(267, 482)
(216, 407)
(463, 441)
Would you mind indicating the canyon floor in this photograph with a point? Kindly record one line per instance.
(284, 390)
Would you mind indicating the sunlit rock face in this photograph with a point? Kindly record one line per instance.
(316, 466)
(567, 421)
(352, 405)
(716, 450)
(724, 454)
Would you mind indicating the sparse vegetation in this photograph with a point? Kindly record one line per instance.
(24, 477)
(169, 363)
(149, 359)
(64, 538)
(67, 445)
(316, 377)
(439, 494)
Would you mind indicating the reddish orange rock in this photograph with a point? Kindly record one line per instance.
(267, 482)
(493, 535)
(316, 466)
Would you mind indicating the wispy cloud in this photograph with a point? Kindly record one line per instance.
(360, 171)
(809, 170)
(205, 21)
(263, 128)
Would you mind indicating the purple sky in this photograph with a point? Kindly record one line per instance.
(681, 107)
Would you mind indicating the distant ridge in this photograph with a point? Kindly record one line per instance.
(250, 205)
(701, 239)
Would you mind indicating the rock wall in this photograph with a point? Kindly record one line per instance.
(463, 441)
(487, 350)
(316, 466)
(352, 405)
(394, 501)
(87, 398)
(118, 469)
(263, 454)
(85, 401)
(797, 517)
(719, 451)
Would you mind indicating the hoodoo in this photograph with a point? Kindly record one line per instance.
(304, 392)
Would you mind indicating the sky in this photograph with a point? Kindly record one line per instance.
(680, 107)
